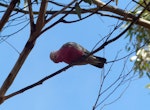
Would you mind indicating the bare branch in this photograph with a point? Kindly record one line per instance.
(32, 25)
(124, 15)
(121, 94)
(120, 80)
(41, 17)
(60, 20)
(121, 12)
(7, 13)
(37, 83)
(27, 49)
(122, 33)
(58, 4)
(103, 77)
(62, 10)
(9, 80)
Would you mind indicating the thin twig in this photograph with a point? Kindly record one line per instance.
(32, 24)
(122, 33)
(6, 15)
(117, 97)
(123, 14)
(23, 55)
(102, 83)
(60, 20)
(37, 83)
(62, 10)
(41, 17)
(121, 78)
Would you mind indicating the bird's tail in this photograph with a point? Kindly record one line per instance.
(98, 62)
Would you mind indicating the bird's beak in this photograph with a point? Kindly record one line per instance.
(52, 55)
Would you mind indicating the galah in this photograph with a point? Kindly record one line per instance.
(73, 53)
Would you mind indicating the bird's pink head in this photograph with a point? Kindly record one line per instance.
(53, 57)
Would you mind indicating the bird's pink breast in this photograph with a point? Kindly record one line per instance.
(69, 54)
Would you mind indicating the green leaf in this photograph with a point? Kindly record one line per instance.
(88, 1)
(26, 5)
(116, 2)
(148, 74)
(18, 3)
(148, 86)
(78, 10)
(36, 1)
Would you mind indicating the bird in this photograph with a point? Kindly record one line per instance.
(75, 54)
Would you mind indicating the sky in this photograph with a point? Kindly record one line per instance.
(76, 88)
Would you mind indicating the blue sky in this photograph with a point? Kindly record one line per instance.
(76, 88)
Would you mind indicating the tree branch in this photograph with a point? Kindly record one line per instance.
(61, 11)
(117, 37)
(32, 25)
(37, 83)
(7, 13)
(61, 19)
(41, 18)
(9, 80)
(27, 49)
(125, 15)
(121, 12)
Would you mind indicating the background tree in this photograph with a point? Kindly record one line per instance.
(35, 18)
(139, 40)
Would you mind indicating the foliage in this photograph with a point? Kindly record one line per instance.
(78, 10)
(139, 40)
(142, 63)
(88, 1)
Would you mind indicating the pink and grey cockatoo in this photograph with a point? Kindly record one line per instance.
(72, 53)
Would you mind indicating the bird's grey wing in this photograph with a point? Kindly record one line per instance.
(78, 46)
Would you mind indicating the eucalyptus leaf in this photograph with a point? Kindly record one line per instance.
(148, 86)
(116, 2)
(88, 1)
(18, 3)
(139, 36)
(36, 1)
(78, 10)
